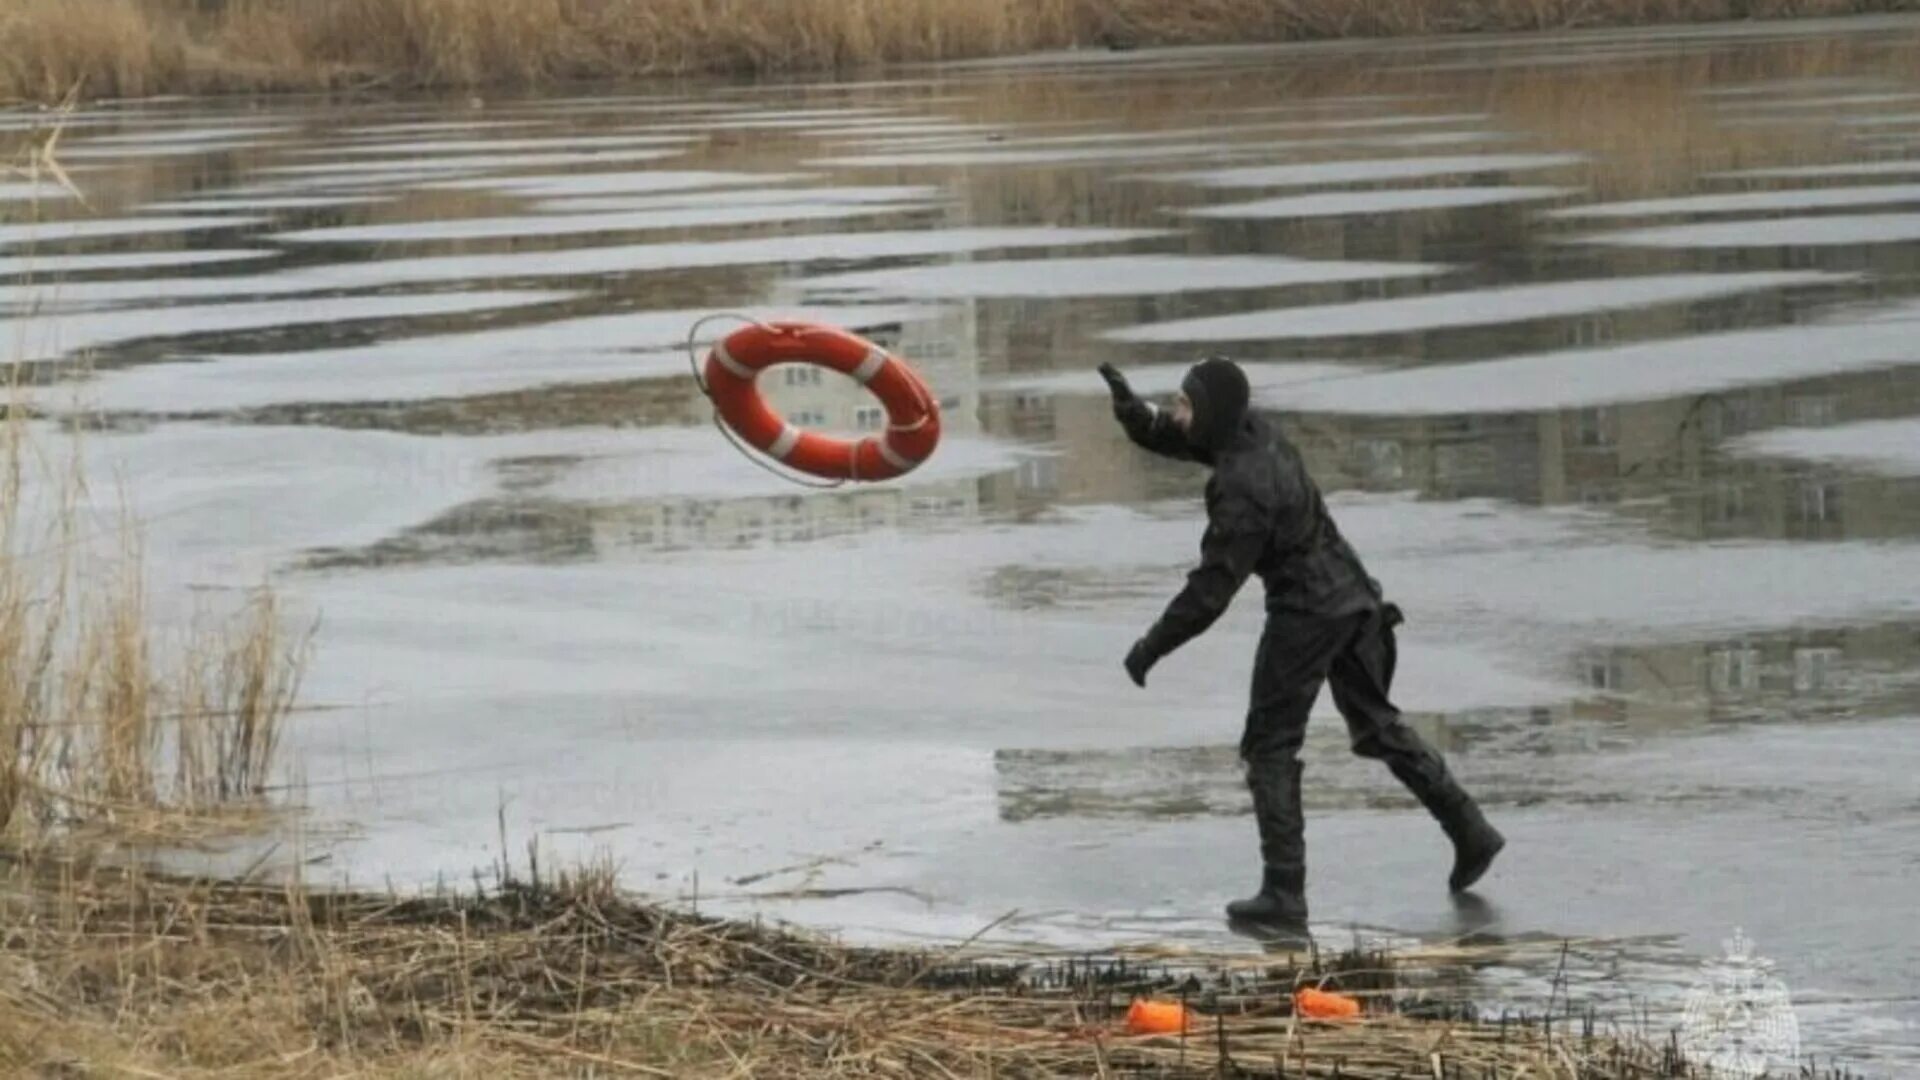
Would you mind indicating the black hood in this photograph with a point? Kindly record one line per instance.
(1218, 390)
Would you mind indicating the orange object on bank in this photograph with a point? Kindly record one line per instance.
(1321, 1005)
(913, 416)
(1159, 1018)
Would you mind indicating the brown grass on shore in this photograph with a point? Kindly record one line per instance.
(122, 48)
(116, 971)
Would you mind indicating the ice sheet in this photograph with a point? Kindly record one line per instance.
(47, 233)
(1648, 371)
(633, 345)
(1748, 202)
(1116, 275)
(1886, 447)
(49, 336)
(1824, 230)
(637, 258)
(1436, 311)
(1366, 171)
(1392, 201)
(580, 224)
(564, 185)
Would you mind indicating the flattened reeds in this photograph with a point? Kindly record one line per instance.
(530, 977)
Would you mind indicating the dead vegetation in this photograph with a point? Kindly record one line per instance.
(103, 723)
(108, 970)
(130, 48)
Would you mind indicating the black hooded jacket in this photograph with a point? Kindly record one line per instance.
(1264, 516)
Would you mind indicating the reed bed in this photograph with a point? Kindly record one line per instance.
(126, 48)
(105, 722)
(113, 970)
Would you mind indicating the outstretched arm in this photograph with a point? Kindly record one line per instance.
(1238, 530)
(1150, 427)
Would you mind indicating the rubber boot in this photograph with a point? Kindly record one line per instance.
(1281, 903)
(1425, 774)
(1475, 842)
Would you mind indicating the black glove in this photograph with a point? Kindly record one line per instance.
(1125, 402)
(1140, 660)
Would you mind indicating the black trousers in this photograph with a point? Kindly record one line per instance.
(1356, 653)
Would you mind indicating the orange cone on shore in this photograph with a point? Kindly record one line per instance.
(1312, 1004)
(1159, 1018)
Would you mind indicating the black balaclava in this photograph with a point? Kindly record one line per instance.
(1218, 390)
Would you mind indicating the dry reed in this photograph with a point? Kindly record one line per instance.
(118, 48)
(104, 724)
(116, 970)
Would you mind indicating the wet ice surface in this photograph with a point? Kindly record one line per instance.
(1772, 232)
(1651, 503)
(1749, 202)
(665, 256)
(579, 223)
(1263, 379)
(27, 191)
(1653, 371)
(1366, 171)
(988, 157)
(52, 267)
(618, 183)
(1891, 447)
(43, 335)
(1341, 204)
(748, 197)
(1836, 171)
(264, 202)
(426, 165)
(406, 148)
(596, 348)
(193, 136)
(1442, 310)
(1119, 275)
(50, 234)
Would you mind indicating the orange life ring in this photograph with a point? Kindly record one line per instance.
(913, 417)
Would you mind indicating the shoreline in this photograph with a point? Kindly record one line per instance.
(96, 50)
(128, 970)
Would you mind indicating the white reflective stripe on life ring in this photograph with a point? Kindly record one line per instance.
(870, 366)
(782, 446)
(893, 459)
(727, 361)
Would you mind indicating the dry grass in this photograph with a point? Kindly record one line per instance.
(110, 970)
(137, 47)
(104, 723)
(1281, 20)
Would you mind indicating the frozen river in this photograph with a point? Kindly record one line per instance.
(1604, 347)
